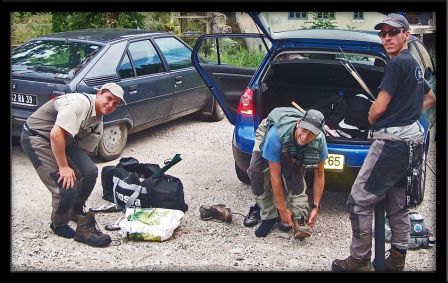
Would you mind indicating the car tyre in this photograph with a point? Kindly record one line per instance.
(242, 176)
(217, 113)
(113, 141)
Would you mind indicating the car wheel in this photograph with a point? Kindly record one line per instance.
(242, 176)
(217, 114)
(113, 141)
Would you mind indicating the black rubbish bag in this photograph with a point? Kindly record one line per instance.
(134, 184)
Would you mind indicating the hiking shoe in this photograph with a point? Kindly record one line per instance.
(253, 217)
(206, 212)
(88, 232)
(301, 230)
(63, 231)
(283, 226)
(352, 264)
(394, 261)
(78, 209)
(218, 212)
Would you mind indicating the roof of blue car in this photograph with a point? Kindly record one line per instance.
(103, 35)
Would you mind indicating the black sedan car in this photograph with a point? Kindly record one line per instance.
(153, 68)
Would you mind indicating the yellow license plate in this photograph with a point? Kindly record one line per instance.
(335, 162)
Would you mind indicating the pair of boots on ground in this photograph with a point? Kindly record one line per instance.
(301, 230)
(87, 230)
(216, 212)
(394, 262)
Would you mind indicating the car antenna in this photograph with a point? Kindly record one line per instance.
(351, 69)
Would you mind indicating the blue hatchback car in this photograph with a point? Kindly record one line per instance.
(304, 66)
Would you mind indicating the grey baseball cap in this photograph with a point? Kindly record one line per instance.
(394, 20)
(114, 89)
(313, 120)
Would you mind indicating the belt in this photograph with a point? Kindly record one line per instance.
(32, 132)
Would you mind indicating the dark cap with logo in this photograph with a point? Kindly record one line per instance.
(313, 120)
(394, 20)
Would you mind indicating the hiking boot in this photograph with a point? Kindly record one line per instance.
(301, 230)
(78, 209)
(283, 226)
(218, 212)
(395, 261)
(87, 231)
(352, 264)
(253, 217)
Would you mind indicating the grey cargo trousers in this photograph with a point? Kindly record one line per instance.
(38, 150)
(383, 175)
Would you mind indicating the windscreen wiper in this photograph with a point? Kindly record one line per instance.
(41, 68)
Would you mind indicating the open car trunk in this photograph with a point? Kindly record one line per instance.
(325, 85)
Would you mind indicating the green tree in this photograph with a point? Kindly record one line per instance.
(64, 21)
(321, 23)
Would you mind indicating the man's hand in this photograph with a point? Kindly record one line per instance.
(286, 216)
(67, 176)
(313, 217)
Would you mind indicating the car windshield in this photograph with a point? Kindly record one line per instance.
(62, 58)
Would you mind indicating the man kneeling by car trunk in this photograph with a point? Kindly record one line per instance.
(285, 143)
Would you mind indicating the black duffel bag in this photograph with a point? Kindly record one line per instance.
(134, 184)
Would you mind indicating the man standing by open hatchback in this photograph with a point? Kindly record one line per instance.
(403, 93)
(57, 138)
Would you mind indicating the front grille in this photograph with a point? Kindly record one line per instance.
(101, 80)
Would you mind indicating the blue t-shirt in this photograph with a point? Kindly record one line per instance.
(403, 80)
(272, 147)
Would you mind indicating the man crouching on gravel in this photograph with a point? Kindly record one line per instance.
(285, 143)
(57, 138)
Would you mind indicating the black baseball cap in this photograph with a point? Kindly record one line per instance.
(313, 120)
(394, 20)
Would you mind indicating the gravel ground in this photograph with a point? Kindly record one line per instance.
(207, 172)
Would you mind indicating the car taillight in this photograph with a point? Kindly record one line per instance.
(246, 105)
(52, 96)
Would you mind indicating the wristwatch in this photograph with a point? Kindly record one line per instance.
(313, 206)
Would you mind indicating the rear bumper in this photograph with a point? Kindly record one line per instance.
(242, 159)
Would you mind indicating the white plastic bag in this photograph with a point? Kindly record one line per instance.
(150, 224)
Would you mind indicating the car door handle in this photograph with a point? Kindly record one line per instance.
(132, 89)
(178, 80)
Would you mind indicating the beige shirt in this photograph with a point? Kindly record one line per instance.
(74, 113)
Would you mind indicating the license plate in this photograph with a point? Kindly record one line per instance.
(335, 162)
(24, 99)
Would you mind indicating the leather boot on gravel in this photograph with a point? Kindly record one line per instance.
(253, 217)
(218, 212)
(301, 230)
(78, 209)
(395, 261)
(352, 264)
(87, 231)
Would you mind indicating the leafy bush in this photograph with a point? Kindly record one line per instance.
(239, 57)
(29, 25)
(65, 21)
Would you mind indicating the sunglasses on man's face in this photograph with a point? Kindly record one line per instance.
(391, 32)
